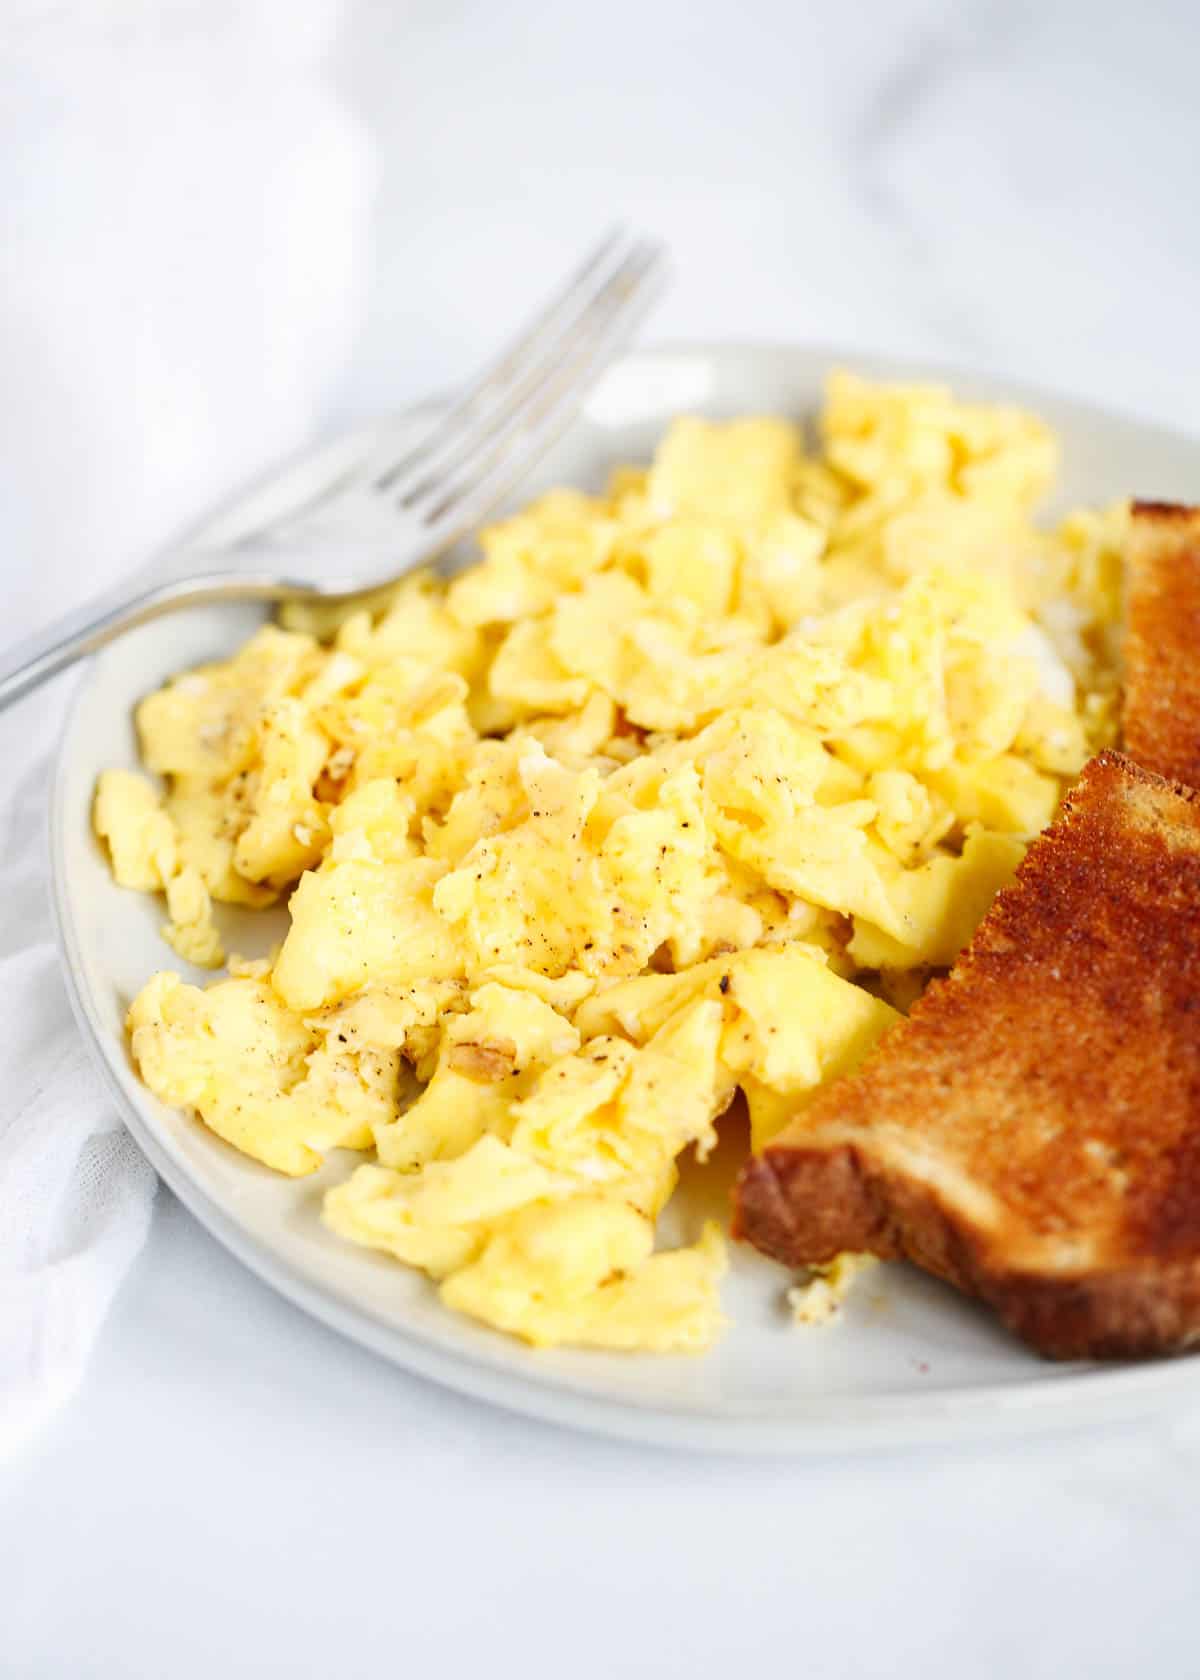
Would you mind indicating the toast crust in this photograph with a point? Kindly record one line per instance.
(1162, 676)
(1032, 1132)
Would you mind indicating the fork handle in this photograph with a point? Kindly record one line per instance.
(43, 655)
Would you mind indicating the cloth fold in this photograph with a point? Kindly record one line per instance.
(75, 1192)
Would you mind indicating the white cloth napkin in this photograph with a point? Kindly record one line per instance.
(182, 254)
(75, 1194)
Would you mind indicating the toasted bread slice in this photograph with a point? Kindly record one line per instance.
(1162, 641)
(1032, 1132)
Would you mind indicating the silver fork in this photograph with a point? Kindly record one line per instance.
(395, 509)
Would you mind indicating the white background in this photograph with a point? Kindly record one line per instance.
(236, 1491)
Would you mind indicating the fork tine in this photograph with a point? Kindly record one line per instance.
(544, 351)
(531, 432)
(452, 463)
(513, 359)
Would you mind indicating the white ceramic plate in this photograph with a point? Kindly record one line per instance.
(909, 1360)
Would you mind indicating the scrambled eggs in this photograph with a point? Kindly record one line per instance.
(679, 793)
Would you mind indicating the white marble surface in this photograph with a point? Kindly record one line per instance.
(236, 1491)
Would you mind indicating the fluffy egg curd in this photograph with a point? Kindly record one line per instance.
(675, 797)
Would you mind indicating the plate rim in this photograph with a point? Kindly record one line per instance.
(862, 1421)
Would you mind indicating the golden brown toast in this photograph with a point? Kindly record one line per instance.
(1032, 1132)
(1162, 640)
